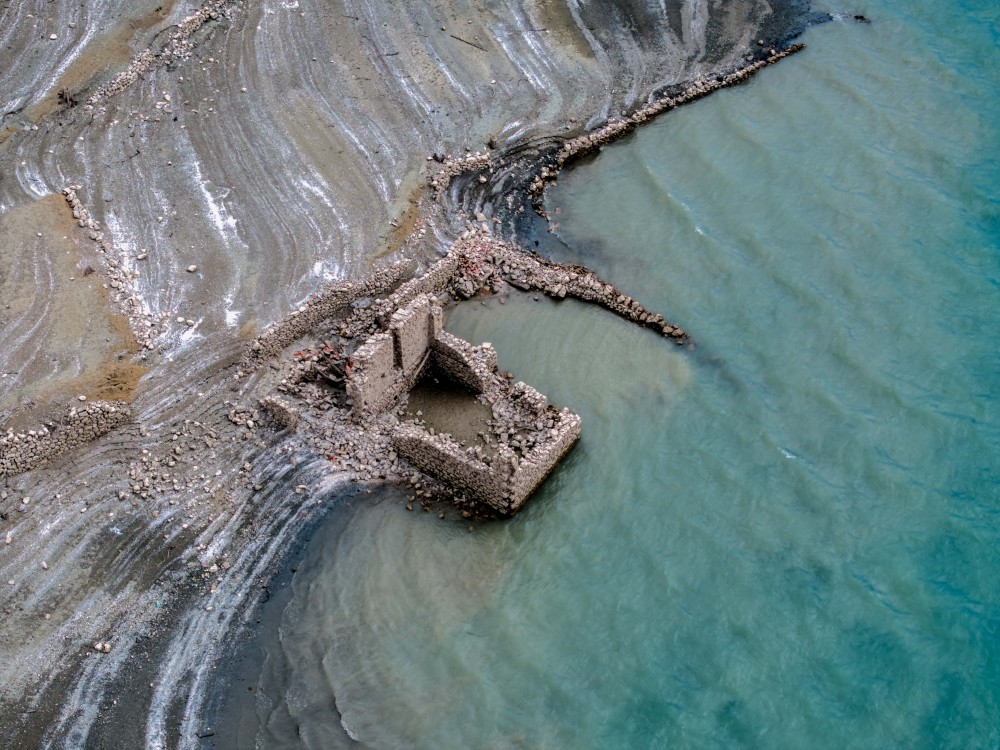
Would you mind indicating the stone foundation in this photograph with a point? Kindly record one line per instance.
(504, 481)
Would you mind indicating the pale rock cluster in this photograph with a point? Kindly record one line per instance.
(178, 46)
(452, 166)
(145, 326)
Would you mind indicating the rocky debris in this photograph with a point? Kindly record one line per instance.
(25, 450)
(452, 166)
(145, 326)
(485, 262)
(584, 144)
(179, 463)
(178, 46)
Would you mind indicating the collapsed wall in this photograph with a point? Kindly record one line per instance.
(282, 412)
(484, 260)
(25, 450)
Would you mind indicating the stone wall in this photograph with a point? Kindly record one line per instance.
(436, 280)
(504, 482)
(320, 307)
(539, 462)
(443, 458)
(389, 364)
(26, 450)
(470, 366)
(374, 379)
(410, 328)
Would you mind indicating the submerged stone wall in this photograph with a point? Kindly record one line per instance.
(25, 450)
(503, 482)
(539, 462)
(484, 259)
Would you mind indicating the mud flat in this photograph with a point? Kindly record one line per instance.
(225, 169)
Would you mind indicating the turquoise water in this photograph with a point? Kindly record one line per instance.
(788, 537)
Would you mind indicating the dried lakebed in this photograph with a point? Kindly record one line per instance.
(220, 175)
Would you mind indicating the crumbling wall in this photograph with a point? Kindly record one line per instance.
(410, 328)
(436, 280)
(485, 260)
(281, 411)
(318, 308)
(506, 481)
(26, 450)
(442, 457)
(528, 399)
(375, 378)
(389, 364)
(459, 361)
(539, 462)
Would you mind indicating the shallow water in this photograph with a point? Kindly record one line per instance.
(786, 537)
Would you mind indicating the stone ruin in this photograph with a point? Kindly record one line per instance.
(524, 442)
(22, 451)
(487, 441)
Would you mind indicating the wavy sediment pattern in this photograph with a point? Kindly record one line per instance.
(288, 149)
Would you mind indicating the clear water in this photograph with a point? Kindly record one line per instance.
(788, 537)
